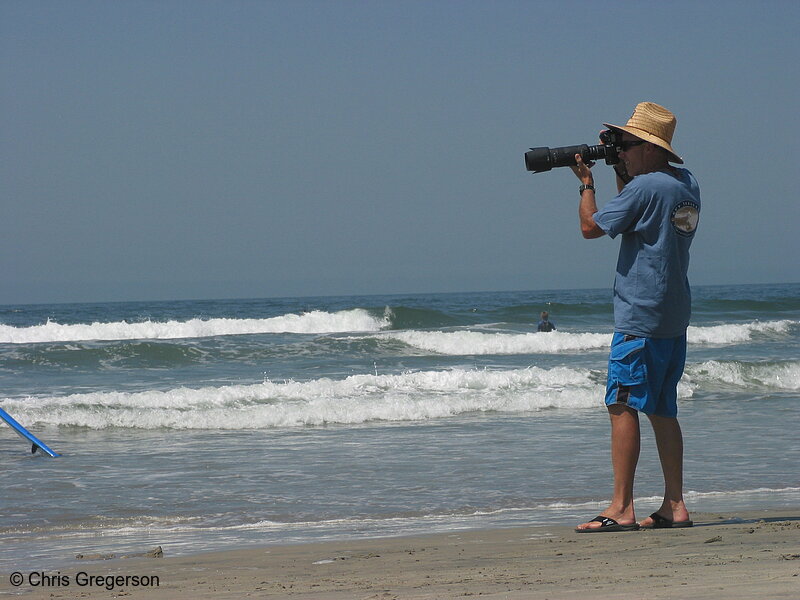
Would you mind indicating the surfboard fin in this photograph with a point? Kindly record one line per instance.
(36, 443)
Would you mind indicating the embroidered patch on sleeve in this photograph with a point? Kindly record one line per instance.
(685, 217)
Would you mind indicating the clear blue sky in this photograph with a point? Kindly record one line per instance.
(209, 149)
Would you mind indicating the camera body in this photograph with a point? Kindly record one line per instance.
(540, 160)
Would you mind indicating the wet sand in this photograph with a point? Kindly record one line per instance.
(730, 556)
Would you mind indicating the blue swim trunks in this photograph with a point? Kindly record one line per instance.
(643, 373)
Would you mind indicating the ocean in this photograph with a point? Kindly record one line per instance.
(216, 424)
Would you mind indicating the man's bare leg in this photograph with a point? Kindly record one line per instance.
(669, 440)
(625, 445)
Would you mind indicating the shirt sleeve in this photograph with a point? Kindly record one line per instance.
(621, 213)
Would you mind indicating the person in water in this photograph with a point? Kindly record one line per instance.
(545, 324)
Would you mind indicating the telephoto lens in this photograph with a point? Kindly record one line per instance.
(543, 159)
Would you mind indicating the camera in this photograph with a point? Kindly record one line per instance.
(540, 160)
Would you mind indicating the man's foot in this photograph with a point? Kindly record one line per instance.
(656, 521)
(606, 525)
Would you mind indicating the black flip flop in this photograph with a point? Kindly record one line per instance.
(607, 525)
(660, 522)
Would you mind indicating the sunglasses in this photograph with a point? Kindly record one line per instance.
(625, 146)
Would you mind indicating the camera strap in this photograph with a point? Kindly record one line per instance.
(622, 173)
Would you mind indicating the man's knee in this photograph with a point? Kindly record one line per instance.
(662, 420)
(621, 409)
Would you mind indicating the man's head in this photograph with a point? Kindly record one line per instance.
(545, 316)
(654, 125)
(641, 157)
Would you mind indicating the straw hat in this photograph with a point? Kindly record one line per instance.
(652, 123)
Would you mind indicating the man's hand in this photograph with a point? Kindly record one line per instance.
(583, 171)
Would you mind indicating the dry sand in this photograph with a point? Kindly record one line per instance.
(726, 556)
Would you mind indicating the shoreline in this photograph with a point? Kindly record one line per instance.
(742, 554)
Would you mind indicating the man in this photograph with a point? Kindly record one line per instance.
(656, 211)
(545, 324)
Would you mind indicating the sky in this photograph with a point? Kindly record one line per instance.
(157, 150)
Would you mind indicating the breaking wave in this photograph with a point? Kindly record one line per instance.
(751, 375)
(736, 333)
(463, 343)
(365, 398)
(476, 342)
(314, 322)
(417, 396)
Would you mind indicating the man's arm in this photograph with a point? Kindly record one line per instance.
(586, 211)
(588, 205)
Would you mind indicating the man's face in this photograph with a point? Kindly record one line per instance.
(633, 157)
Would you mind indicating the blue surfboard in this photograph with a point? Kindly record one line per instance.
(36, 443)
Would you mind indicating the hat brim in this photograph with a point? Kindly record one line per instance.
(648, 137)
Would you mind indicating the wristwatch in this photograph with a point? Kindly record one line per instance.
(585, 187)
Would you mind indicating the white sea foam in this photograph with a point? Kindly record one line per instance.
(457, 343)
(771, 375)
(735, 333)
(536, 512)
(753, 492)
(466, 343)
(412, 396)
(357, 399)
(460, 343)
(309, 322)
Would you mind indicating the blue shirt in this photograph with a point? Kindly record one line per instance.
(657, 215)
(545, 326)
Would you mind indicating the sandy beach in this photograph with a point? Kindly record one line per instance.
(742, 555)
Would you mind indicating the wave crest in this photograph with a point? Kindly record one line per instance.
(735, 333)
(417, 396)
(466, 343)
(770, 375)
(309, 322)
(459, 343)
